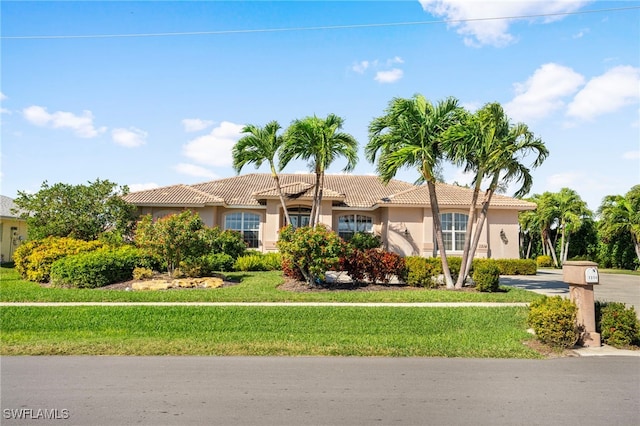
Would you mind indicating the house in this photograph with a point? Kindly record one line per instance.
(399, 212)
(13, 229)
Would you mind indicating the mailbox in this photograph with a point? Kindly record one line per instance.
(581, 276)
(580, 272)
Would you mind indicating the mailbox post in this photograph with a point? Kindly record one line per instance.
(581, 276)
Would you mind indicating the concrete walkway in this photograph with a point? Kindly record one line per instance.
(268, 304)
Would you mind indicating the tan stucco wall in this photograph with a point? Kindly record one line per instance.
(11, 239)
(404, 231)
(503, 233)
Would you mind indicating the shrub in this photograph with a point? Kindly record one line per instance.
(206, 265)
(142, 273)
(228, 242)
(259, 262)
(544, 261)
(34, 258)
(517, 266)
(98, 268)
(365, 241)
(617, 325)
(382, 265)
(554, 321)
(422, 271)
(313, 251)
(487, 276)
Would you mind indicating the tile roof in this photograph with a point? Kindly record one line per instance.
(6, 205)
(355, 191)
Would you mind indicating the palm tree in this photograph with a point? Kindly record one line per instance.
(261, 144)
(572, 211)
(409, 134)
(489, 145)
(619, 215)
(320, 142)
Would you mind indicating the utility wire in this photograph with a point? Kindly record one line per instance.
(330, 27)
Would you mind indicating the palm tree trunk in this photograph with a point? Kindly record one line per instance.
(284, 204)
(563, 226)
(466, 253)
(636, 244)
(437, 225)
(480, 222)
(320, 194)
(314, 205)
(529, 248)
(552, 251)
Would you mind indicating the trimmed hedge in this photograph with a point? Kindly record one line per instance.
(554, 321)
(486, 275)
(34, 259)
(99, 268)
(544, 261)
(257, 261)
(617, 324)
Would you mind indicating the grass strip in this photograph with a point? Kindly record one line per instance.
(182, 330)
(253, 287)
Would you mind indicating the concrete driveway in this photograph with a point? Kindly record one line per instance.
(612, 287)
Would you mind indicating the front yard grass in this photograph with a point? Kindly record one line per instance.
(252, 287)
(250, 330)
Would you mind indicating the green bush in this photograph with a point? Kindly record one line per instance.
(487, 276)
(554, 321)
(422, 271)
(365, 241)
(34, 259)
(259, 262)
(228, 242)
(517, 266)
(207, 265)
(98, 268)
(142, 273)
(313, 251)
(617, 325)
(544, 261)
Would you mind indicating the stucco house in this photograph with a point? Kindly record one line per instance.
(399, 212)
(13, 229)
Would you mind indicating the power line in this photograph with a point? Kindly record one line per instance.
(330, 27)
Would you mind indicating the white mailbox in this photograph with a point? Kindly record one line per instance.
(591, 276)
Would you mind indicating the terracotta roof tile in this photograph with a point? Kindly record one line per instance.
(352, 190)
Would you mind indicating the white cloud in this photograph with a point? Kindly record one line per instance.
(195, 124)
(390, 76)
(558, 181)
(581, 33)
(193, 170)
(616, 88)
(215, 148)
(360, 67)
(631, 155)
(129, 138)
(4, 111)
(542, 93)
(135, 187)
(82, 125)
(3, 97)
(494, 32)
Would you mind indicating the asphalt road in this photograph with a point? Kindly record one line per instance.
(319, 391)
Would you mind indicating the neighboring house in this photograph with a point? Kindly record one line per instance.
(399, 212)
(13, 229)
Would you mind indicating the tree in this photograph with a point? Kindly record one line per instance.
(320, 142)
(261, 144)
(84, 212)
(572, 212)
(620, 215)
(487, 144)
(409, 134)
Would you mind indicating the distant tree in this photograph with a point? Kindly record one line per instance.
(320, 142)
(572, 212)
(410, 134)
(259, 145)
(84, 212)
(620, 215)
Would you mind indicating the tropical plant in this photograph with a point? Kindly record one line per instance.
(261, 144)
(83, 212)
(320, 142)
(487, 144)
(572, 212)
(621, 215)
(409, 134)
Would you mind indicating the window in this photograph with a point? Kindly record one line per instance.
(454, 226)
(248, 224)
(299, 216)
(351, 223)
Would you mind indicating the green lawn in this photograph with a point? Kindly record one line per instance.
(252, 287)
(337, 331)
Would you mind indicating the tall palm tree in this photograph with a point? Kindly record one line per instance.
(261, 144)
(487, 144)
(619, 215)
(409, 134)
(572, 211)
(320, 142)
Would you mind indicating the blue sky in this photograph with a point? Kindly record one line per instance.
(150, 102)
